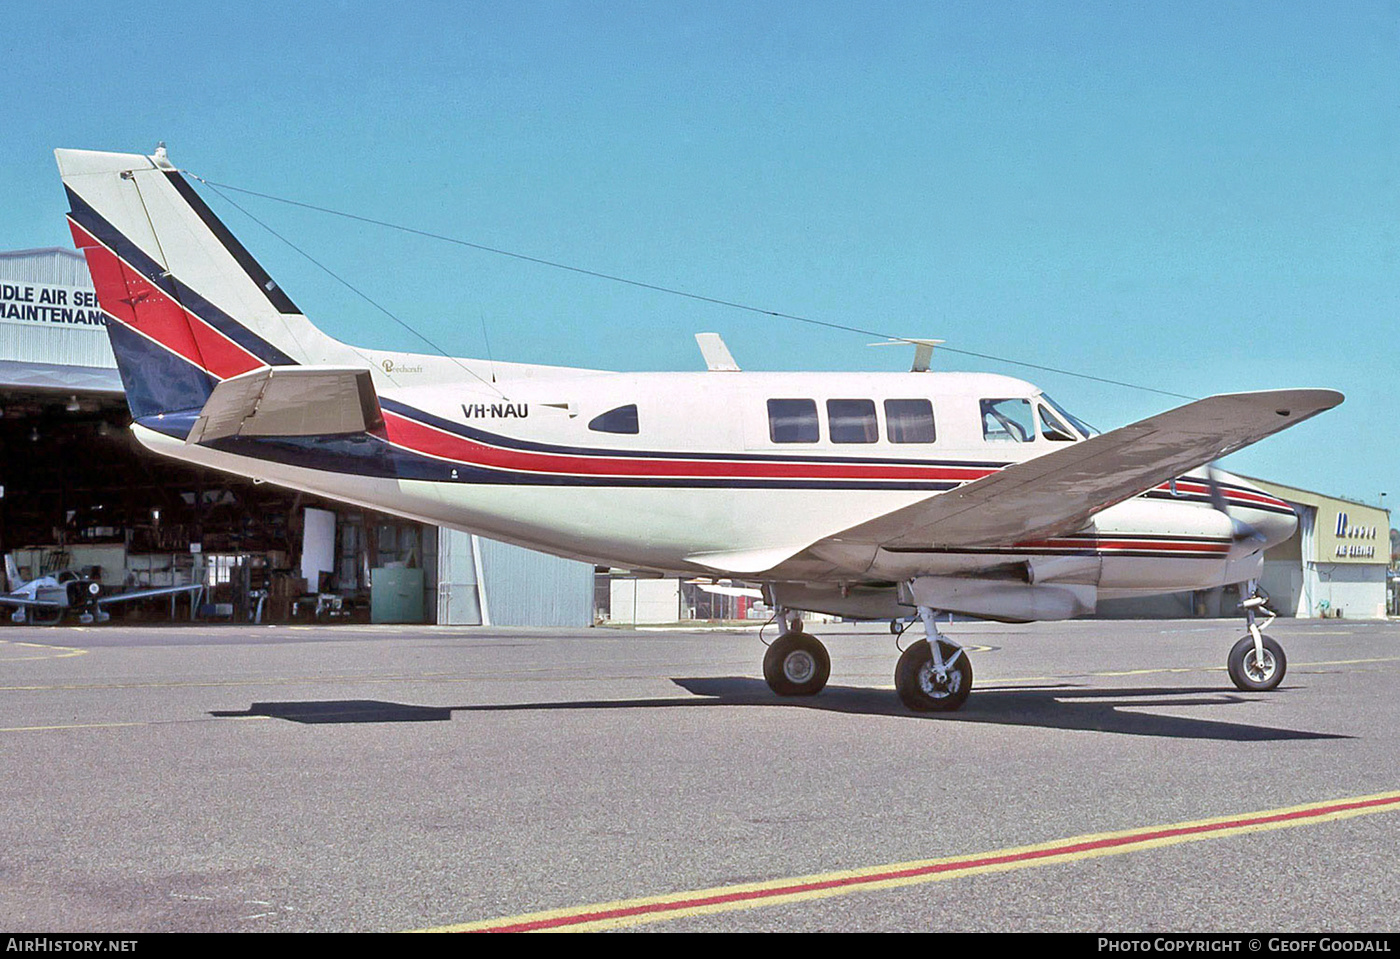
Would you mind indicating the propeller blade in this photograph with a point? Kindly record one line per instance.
(1240, 531)
(1217, 497)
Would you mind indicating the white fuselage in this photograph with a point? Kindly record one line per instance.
(704, 475)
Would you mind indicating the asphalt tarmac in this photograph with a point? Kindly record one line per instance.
(1104, 776)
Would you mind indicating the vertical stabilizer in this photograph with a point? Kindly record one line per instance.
(187, 306)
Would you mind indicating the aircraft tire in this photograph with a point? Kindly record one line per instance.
(1247, 674)
(917, 686)
(796, 665)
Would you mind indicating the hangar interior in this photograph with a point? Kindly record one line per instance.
(78, 492)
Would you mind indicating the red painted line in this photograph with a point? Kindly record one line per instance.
(1150, 835)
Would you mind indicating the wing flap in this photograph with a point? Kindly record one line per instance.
(1058, 492)
(290, 401)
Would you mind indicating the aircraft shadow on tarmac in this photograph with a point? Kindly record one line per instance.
(1051, 707)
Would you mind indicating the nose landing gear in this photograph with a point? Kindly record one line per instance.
(1256, 663)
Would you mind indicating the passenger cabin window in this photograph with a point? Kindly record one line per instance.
(909, 421)
(1007, 421)
(621, 420)
(793, 421)
(1052, 429)
(852, 421)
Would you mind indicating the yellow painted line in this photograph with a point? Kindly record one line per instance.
(38, 729)
(315, 680)
(720, 899)
(163, 722)
(1180, 669)
(55, 652)
(1350, 662)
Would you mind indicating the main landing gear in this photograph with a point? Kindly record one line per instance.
(1256, 662)
(934, 674)
(796, 664)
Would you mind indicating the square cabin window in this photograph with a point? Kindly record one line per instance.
(793, 421)
(852, 421)
(909, 421)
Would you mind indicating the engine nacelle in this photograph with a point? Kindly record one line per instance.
(1000, 599)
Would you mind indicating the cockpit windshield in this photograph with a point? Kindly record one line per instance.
(1074, 421)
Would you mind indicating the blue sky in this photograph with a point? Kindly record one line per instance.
(1198, 197)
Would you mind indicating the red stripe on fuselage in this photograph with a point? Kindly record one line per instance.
(127, 296)
(1118, 545)
(1244, 496)
(434, 442)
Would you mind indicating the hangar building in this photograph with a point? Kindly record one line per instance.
(1335, 565)
(78, 492)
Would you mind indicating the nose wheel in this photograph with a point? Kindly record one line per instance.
(1256, 663)
(1254, 671)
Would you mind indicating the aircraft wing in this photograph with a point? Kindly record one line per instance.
(1057, 493)
(290, 401)
(147, 593)
(30, 603)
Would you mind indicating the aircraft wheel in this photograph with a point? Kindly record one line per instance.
(1251, 674)
(894, 627)
(796, 665)
(918, 685)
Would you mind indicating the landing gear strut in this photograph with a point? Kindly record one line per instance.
(1256, 662)
(796, 664)
(934, 674)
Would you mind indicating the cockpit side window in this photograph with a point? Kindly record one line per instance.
(852, 421)
(1052, 429)
(1084, 428)
(620, 420)
(1007, 421)
(793, 421)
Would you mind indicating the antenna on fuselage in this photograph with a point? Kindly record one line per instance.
(718, 359)
(923, 351)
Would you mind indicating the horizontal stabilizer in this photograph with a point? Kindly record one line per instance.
(290, 401)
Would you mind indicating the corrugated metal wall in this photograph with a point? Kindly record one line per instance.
(41, 341)
(526, 588)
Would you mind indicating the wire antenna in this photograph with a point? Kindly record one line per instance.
(352, 288)
(641, 284)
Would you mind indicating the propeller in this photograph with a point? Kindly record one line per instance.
(1240, 531)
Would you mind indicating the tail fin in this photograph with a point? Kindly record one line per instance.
(12, 580)
(187, 305)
